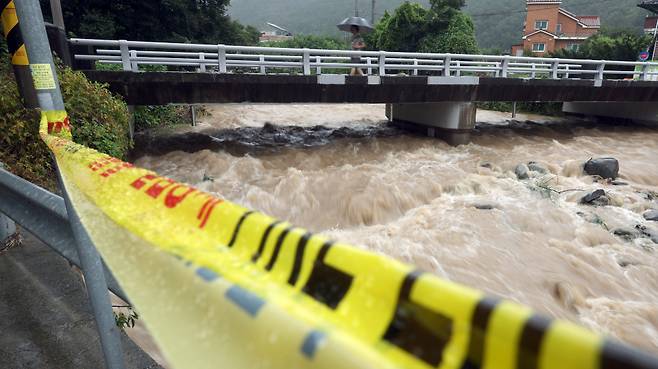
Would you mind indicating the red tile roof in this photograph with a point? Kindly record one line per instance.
(590, 20)
(651, 22)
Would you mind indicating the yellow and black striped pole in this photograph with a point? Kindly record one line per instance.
(16, 46)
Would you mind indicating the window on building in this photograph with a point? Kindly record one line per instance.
(539, 48)
(559, 28)
(541, 24)
(573, 47)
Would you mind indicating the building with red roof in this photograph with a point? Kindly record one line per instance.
(548, 28)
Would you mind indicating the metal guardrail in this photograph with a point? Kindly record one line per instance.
(44, 215)
(225, 58)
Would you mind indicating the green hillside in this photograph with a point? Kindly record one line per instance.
(499, 23)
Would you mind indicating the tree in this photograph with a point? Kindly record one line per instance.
(459, 38)
(610, 45)
(155, 20)
(441, 28)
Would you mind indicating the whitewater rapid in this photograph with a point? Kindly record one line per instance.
(458, 212)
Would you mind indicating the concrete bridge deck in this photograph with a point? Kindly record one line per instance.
(158, 88)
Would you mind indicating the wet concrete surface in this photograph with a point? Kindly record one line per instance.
(45, 316)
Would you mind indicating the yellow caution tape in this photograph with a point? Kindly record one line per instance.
(220, 286)
(12, 32)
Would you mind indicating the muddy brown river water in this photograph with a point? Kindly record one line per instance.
(458, 212)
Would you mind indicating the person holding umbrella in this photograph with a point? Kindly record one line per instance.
(357, 26)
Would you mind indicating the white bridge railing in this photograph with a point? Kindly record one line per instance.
(266, 60)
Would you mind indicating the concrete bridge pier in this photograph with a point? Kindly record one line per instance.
(449, 121)
(638, 112)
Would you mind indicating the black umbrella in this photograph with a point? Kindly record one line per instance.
(346, 25)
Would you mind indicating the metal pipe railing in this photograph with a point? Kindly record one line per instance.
(225, 58)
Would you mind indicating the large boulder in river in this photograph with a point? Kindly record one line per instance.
(521, 171)
(651, 215)
(607, 168)
(596, 198)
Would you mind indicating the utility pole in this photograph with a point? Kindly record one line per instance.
(57, 33)
(372, 19)
(356, 8)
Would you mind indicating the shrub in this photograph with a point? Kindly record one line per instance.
(100, 121)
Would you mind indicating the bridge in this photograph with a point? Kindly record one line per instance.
(433, 92)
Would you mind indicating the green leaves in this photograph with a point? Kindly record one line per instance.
(442, 28)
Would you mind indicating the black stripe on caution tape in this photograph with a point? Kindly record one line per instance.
(299, 258)
(277, 248)
(478, 334)
(237, 228)
(533, 334)
(327, 284)
(263, 241)
(416, 329)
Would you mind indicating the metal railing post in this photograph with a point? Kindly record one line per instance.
(134, 67)
(318, 66)
(262, 64)
(554, 69)
(125, 55)
(504, 67)
(446, 66)
(382, 63)
(202, 62)
(369, 64)
(221, 58)
(306, 61)
(645, 72)
(415, 67)
(533, 74)
(599, 73)
(458, 71)
(566, 74)
(50, 99)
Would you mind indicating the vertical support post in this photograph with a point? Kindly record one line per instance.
(50, 100)
(382, 63)
(599, 74)
(16, 47)
(221, 58)
(134, 67)
(554, 69)
(513, 109)
(58, 16)
(318, 65)
(533, 75)
(369, 64)
(458, 72)
(415, 72)
(125, 55)
(261, 68)
(446, 66)
(306, 61)
(504, 67)
(202, 62)
(566, 69)
(193, 113)
(645, 72)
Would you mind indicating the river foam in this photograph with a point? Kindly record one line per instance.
(460, 212)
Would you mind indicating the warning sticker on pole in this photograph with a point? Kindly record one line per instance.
(221, 286)
(42, 74)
